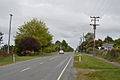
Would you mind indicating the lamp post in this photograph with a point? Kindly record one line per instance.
(11, 15)
(8, 50)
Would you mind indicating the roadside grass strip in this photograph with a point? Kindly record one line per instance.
(91, 68)
(8, 59)
(89, 62)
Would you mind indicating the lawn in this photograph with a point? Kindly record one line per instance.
(8, 59)
(91, 68)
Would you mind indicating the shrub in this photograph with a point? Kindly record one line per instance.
(27, 45)
(3, 53)
(114, 53)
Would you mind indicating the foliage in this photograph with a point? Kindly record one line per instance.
(83, 46)
(89, 36)
(114, 53)
(97, 44)
(3, 53)
(28, 43)
(63, 45)
(1, 37)
(36, 29)
(48, 50)
(89, 49)
(57, 45)
(108, 40)
(5, 47)
(117, 43)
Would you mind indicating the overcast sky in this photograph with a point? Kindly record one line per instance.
(66, 19)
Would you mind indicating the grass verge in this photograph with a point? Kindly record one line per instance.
(8, 59)
(91, 68)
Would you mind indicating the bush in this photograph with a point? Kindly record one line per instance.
(47, 50)
(114, 53)
(2, 53)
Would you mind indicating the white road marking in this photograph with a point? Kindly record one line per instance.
(53, 58)
(25, 69)
(61, 63)
(64, 69)
(41, 62)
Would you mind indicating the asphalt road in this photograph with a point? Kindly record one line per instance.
(57, 67)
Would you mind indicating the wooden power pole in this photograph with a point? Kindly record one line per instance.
(94, 19)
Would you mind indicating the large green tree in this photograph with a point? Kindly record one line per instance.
(37, 29)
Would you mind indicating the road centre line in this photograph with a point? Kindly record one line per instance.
(53, 58)
(64, 69)
(41, 62)
(25, 69)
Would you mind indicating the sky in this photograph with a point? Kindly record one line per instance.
(66, 19)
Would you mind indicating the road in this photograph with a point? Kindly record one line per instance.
(57, 67)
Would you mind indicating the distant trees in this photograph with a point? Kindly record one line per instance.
(117, 43)
(5, 47)
(63, 45)
(108, 40)
(38, 32)
(89, 42)
(1, 37)
(58, 45)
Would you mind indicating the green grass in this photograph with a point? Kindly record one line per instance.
(89, 62)
(5, 60)
(8, 59)
(107, 71)
(106, 75)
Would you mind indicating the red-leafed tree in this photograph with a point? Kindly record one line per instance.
(29, 43)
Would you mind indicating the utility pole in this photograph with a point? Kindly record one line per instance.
(83, 42)
(9, 34)
(8, 50)
(94, 19)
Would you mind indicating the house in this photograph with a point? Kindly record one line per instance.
(107, 46)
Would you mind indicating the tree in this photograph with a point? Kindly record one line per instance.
(98, 43)
(63, 45)
(29, 43)
(57, 45)
(117, 43)
(1, 37)
(89, 36)
(108, 40)
(36, 29)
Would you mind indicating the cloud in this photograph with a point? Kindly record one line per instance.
(66, 19)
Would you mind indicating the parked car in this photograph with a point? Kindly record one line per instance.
(61, 52)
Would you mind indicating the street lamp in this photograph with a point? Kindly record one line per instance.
(9, 37)
(9, 33)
